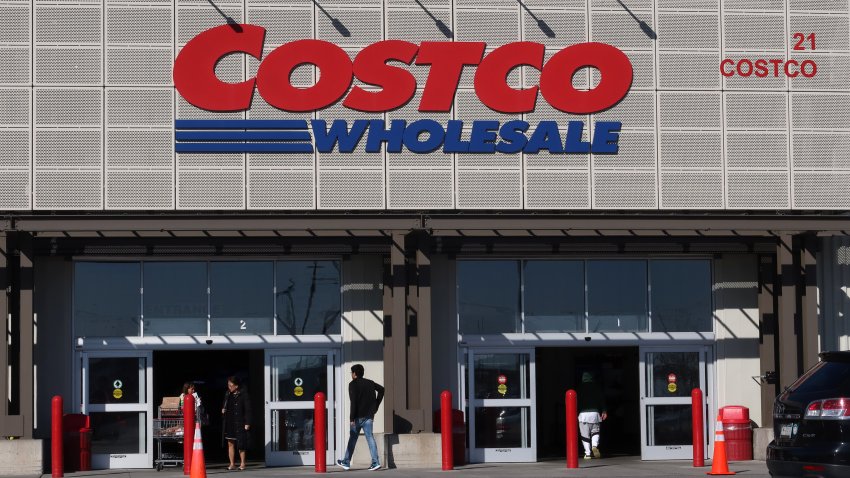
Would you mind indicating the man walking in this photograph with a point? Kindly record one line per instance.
(591, 406)
(365, 396)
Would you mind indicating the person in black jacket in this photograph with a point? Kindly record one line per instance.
(591, 407)
(236, 410)
(365, 396)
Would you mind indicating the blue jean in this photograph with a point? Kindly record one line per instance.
(357, 425)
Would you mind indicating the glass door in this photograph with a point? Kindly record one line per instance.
(502, 415)
(667, 376)
(118, 397)
(293, 378)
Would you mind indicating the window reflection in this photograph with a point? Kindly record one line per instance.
(554, 296)
(308, 297)
(106, 299)
(241, 297)
(681, 295)
(175, 290)
(617, 296)
(488, 296)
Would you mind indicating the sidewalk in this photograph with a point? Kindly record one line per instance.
(621, 467)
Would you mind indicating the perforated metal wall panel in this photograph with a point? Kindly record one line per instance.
(129, 189)
(65, 65)
(281, 189)
(205, 189)
(351, 189)
(88, 108)
(819, 190)
(489, 189)
(821, 151)
(758, 190)
(420, 189)
(691, 190)
(624, 190)
(139, 66)
(67, 189)
(15, 189)
(557, 189)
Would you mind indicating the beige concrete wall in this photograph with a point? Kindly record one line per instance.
(737, 333)
(362, 328)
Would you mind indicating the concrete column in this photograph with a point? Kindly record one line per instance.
(787, 272)
(26, 330)
(809, 285)
(423, 329)
(767, 299)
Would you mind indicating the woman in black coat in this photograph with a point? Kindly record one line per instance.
(236, 410)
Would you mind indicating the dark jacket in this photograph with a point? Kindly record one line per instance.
(365, 396)
(237, 414)
(590, 397)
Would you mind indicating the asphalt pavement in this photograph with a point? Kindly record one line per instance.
(618, 467)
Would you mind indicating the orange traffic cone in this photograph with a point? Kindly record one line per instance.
(719, 464)
(199, 466)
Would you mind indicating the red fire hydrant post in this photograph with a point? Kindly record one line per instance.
(188, 431)
(320, 424)
(572, 429)
(57, 458)
(698, 425)
(446, 430)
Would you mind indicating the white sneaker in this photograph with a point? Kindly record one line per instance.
(342, 465)
(375, 467)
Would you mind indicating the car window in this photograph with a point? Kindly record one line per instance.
(826, 376)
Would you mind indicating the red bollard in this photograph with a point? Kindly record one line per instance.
(698, 425)
(446, 430)
(572, 429)
(188, 432)
(320, 428)
(57, 457)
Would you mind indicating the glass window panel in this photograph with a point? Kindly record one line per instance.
(122, 433)
(116, 380)
(681, 295)
(175, 298)
(670, 425)
(511, 368)
(488, 296)
(683, 365)
(292, 430)
(308, 297)
(242, 297)
(554, 296)
(502, 427)
(617, 296)
(107, 299)
(298, 378)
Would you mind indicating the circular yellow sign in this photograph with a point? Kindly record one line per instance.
(671, 387)
(117, 393)
(298, 391)
(503, 389)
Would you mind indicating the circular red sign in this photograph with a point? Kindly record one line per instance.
(671, 378)
(502, 379)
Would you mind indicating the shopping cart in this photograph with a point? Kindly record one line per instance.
(168, 431)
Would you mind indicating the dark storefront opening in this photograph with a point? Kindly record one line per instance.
(209, 370)
(559, 369)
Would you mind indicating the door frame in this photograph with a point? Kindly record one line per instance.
(139, 460)
(301, 458)
(506, 455)
(674, 452)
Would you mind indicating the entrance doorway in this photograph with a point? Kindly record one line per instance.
(559, 369)
(209, 370)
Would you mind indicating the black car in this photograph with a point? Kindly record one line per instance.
(811, 422)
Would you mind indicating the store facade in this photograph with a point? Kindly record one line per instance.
(469, 197)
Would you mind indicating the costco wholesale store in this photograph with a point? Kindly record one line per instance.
(187, 194)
